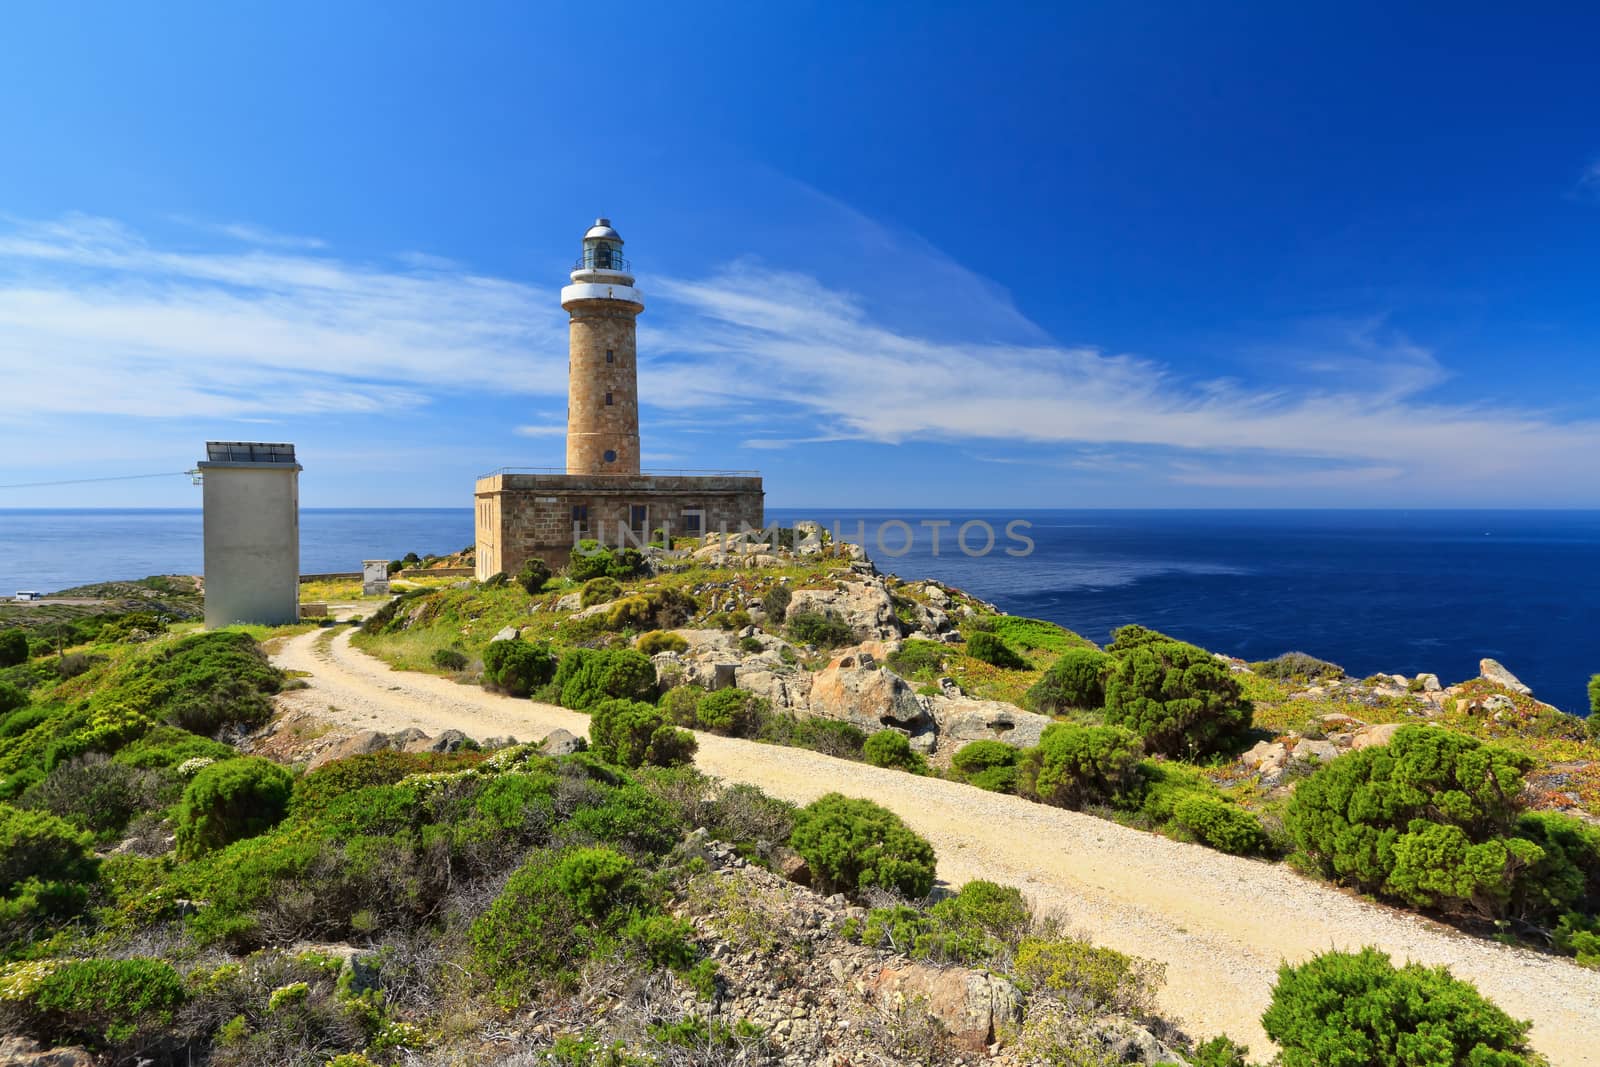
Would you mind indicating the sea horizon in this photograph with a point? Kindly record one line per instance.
(1386, 590)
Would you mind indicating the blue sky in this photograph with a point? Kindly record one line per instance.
(893, 254)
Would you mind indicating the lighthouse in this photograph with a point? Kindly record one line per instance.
(602, 495)
(602, 363)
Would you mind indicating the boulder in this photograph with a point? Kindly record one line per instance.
(1494, 671)
(358, 744)
(1374, 736)
(962, 719)
(1430, 683)
(25, 1052)
(865, 606)
(1125, 1041)
(1265, 752)
(785, 689)
(570, 602)
(1308, 751)
(974, 1008)
(562, 743)
(509, 633)
(868, 697)
(448, 741)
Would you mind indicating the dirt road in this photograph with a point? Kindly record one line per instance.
(1221, 924)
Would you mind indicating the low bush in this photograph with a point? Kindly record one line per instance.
(317, 789)
(751, 643)
(96, 1002)
(890, 748)
(586, 676)
(94, 793)
(831, 737)
(1358, 1008)
(918, 657)
(1297, 667)
(560, 909)
(1035, 635)
(1223, 826)
(13, 647)
(681, 703)
(39, 847)
(632, 733)
(11, 698)
(448, 659)
(661, 641)
(518, 667)
(729, 711)
(1089, 978)
(1174, 695)
(743, 815)
(533, 575)
(658, 609)
(599, 590)
(204, 682)
(590, 559)
(983, 923)
(1429, 818)
(227, 801)
(992, 650)
(1220, 1051)
(819, 629)
(1076, 680)
(853, 845)
(1076, 765)
(21, 717)
(990, 765)
(775, 603)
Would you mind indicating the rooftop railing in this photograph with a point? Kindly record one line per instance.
(593, 261)
(654, 472)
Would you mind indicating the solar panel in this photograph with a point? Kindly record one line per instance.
(249, 452)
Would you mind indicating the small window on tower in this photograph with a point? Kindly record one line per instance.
(611, 455)
(608, 400)
(611, 356)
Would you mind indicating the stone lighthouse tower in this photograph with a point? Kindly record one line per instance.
(602, 370)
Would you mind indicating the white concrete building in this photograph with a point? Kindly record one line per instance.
(252, 533)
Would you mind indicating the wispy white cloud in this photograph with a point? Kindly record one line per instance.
(95, 320)
(551, 430)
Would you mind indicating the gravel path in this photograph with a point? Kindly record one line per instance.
(1221, 924)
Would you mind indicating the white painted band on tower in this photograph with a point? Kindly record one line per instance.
(589, 291)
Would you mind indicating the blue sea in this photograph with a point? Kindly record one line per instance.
(1392, 591)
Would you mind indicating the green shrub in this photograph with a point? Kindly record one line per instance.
(918, 657)
(751, 643)
(11, 698)
(93, 792)
(1127, 638)
(890, 748)
(1220, 1051)
(1223, 826)
(1089, 978)
(13, 647)
(775, 603)
(632, 733)
(234, 799)
(729, 711)
(1076, 680)
(982, 923)
(1427, 818)
(599, 590)
(1567, 875)
(819, 629)
(518, 667)
(107, 729)
(680, 704)
(992, 650)
(831, 737)
(36, 846)
(1358, 1008)
(20, 718)
(316, 790)
(1076, 765)
(533, 575)
(1035, 635)
(97, 1002)
(586, 676)
(1176, 696)
(852, 845)
(658, 609)
(590, 559)
(975, 757)
(448, 659)
(560, 909)
(629, 815)
(204, 682)
(661, 641)
(1297, 667)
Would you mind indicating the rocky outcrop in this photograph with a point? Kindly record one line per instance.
(866, 607)
(973, 1007)
(24, 1052)
(961, 719)
(855, 689)
(1494, 671)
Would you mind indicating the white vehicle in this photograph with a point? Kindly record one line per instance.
(27, 594)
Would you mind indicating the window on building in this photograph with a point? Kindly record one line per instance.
(580, 520)
(611, 356)
(694, 521)
(639, 520)
(608, 400)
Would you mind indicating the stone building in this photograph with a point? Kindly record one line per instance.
(602, 494)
